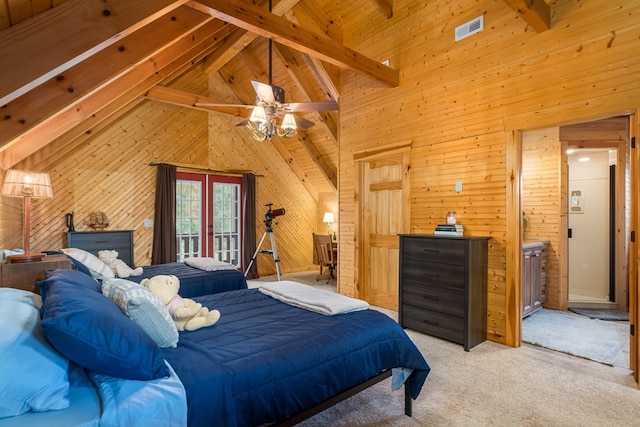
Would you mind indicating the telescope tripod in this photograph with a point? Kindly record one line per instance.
(272, 251)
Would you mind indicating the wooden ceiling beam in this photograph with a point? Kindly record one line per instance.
(240, 39)
(536, 13)
(87, 112)
(283, 31)
(317, 18)
(321, 73)
(48, 44)
(189, 100)
(111, 112)
(59, 94)
(295, 72)
(328, 171)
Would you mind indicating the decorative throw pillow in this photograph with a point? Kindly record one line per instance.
(98, 269)
(91, 330)
(144, 308)
(33, 375)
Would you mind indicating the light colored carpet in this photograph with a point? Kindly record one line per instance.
(593, 339)
(495, 385)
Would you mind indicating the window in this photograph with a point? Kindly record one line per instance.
(208, 216)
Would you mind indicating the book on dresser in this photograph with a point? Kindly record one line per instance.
(443, 287)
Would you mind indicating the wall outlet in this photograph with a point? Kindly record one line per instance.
(148, 223)
(458, 186)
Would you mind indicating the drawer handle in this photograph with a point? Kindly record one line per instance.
(431, 250)
(431, 322)
(431, 298)
(426, 273)
(102, 241)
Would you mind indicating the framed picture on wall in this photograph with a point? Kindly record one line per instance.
(576, 202)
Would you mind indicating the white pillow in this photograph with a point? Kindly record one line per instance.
(99, 270)
(144, 308)
(33, 375)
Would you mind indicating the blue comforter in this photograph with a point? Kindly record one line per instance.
(265, 361)
(195, 282)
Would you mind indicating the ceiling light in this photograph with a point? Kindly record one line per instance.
(262, 124)
(258, 117)
(584, 159)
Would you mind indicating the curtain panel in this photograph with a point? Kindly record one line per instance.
(164, 248)
(249, 225)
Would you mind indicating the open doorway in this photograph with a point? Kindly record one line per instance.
(555, 182)
(592, 221)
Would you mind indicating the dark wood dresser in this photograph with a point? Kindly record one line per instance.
(96, 241)
(24, 275)
(443, 287)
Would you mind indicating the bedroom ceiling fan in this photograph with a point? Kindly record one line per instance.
(270, 105)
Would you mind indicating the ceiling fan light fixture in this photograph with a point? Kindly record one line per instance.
(288, 123)
(258, 116)
(288, 129)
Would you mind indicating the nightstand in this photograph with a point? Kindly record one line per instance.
(25, 275)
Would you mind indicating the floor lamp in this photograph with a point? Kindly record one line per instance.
(26, 184)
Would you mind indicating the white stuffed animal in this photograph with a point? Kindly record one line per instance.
(186, 313)
(119, 267)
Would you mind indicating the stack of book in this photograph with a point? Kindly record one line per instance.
(449, 230)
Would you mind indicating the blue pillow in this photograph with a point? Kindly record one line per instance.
(73, 277)
(33, 375)
(79, 265)
(91, 330)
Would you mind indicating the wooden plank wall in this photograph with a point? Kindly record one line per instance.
(458, 102)
(541, 204)
(109, 171)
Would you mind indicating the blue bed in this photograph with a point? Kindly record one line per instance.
(195, 282)
(265, 361)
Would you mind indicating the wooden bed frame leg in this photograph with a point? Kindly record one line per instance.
(407, 398)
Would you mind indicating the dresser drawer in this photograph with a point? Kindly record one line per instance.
(433, 323)
(434, 298)
(429, 273)
(96, 241)
(448, 251)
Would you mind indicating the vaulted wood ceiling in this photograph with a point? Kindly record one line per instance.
(69, 66)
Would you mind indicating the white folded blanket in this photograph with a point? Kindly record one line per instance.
(208, 264)
(310, 298)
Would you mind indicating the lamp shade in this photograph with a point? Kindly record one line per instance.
(328, 217)
(258, 116)
(289, 123)
(21, 183)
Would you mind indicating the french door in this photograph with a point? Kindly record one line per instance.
(208, 216)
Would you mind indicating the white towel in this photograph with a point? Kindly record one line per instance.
(208, 264)
(310, 298)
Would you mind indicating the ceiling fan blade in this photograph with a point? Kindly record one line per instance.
(242, 122)
(311, 106)
(213, 104)
(303, 123)
(264, 92)
(270, 94)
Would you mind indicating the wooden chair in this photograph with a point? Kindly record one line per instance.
(326, 256)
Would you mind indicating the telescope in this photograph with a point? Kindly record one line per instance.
(268, 219)
(273, 213)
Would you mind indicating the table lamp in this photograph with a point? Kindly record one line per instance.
(26, 184)
(328, 218)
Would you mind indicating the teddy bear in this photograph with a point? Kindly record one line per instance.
(119, 267)
(187, 314)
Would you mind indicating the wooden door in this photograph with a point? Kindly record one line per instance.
(634, 248)
(383, 214)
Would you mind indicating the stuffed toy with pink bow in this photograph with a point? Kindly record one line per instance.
(186, 313)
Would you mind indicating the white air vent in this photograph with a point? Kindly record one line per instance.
(469, 28)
